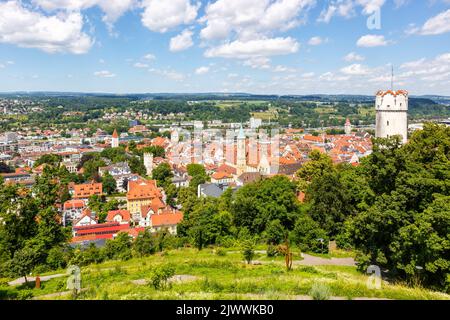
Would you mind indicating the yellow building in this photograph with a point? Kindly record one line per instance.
(141, 193)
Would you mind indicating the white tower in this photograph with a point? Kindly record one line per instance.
(148, 163)
(115, 139)
(348, 127)
(392, 114)
(241, 163)
(174, 136)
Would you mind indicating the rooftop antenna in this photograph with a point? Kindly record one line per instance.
(392, 77)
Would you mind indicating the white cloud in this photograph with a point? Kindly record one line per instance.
(248, 18)
(182, 41)
(141, 65)
(436, 25)
(104, 74)
(308, 75)
(352, 57)
(347, 8)
(202, 70)
(254, 48)
(282, 69)
(355, 70)
(113, 9)
(316, 41)
(149, 56)
(370, 40)
(258, 63)
(163, 15)
(28, 29)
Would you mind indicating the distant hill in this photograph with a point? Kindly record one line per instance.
(414, 100)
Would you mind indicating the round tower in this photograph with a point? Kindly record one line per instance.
(392, 114)
(348, 127)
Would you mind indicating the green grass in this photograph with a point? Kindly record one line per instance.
(224, 277)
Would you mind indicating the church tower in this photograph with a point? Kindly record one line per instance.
(348, 127)
(115, 139)
(148, 163)
(392, 114)
(241, 163)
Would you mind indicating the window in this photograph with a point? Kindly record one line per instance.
(388, 123)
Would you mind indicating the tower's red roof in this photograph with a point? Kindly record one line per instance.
(115, 134)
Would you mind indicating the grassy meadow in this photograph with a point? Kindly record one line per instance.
(209, 275)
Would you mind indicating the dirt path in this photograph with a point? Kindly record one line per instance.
(31, 279)
(309, 260)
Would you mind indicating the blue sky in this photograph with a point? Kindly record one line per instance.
(255, 46)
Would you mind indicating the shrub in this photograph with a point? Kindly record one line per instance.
(306, 234)
(248, 249)
(320, 291)
(161, 276)
(25, 295)
(211, 286)
(227, 242)
(221, 252)
(272, 251)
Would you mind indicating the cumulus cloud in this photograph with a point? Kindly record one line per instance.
(202, 70)
(352, 57)
(316, 41)
(149, 56)
(355, 70)
(141, 65)
(258, 63)
(28, 29)
(347, 8)
(254, 48)
(112, 9)
(104, 74)
(371, 40)
(434, 26)
(163, 15)
(182, 41)
(248, 18)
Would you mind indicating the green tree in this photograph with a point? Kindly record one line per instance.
(109, 183)
(248, 250)
(162, 174)
(307, 234)
(275, 232)
(23, 262)
(144, 244)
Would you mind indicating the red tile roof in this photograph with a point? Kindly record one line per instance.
(125, 214)
(74, 204)
(166, 219)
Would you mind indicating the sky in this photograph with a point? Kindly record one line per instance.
(252, 46)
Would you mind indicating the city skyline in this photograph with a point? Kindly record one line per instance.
(276, 47)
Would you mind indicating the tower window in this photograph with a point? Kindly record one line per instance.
(388, 105)
(388, 123)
